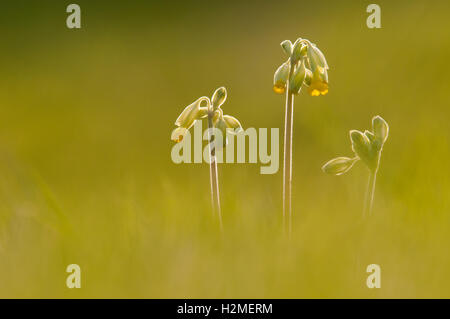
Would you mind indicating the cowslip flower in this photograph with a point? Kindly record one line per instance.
(281, 78)
(187, 118)
(306, 56)
(200, 109)
(318, 83)
(306, 66)
(205, 107)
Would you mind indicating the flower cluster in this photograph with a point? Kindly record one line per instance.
(306, 66)
(367, 147)
(206, 107)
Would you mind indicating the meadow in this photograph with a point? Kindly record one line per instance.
(86, 175)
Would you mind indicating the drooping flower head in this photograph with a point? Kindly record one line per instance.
(202, 108)
(306, 65)
(187, 118)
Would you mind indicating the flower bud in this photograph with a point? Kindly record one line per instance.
(297, 78)
(360, 142)
(202, 112)
(217, 115)
(380, 129)
(191, 113)
(219, 97)
(369, 135)
(298, 50)
(362, 147)
(316, 58)
(178, 134)
(222, 126)
(280, 78)
(233, 123)
(308, 77)
(374, 142)
(287, 47)
(339, 166)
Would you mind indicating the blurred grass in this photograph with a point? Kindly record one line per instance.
(86, 175)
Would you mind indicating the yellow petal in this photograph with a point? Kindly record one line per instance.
(279, 88)
(280, 78)
(314, 92)
(318, 87)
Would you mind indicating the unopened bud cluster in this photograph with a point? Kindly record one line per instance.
(367, 147)
(206, 107)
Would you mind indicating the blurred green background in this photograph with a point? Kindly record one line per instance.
(86, 175)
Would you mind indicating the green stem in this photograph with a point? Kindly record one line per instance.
(214, 178)
(370, 193)
(287, 166)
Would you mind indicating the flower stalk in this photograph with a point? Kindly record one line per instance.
(305, 67)
(287, 166)
(370, 193)
(214, 178)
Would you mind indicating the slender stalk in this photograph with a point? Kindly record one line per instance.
(287, 166)
(214, 178)
(370, 193)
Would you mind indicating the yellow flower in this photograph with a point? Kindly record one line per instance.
(280, 78)
(319, 82)
(279, 88)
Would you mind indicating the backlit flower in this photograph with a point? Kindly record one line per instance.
(212, 108)
(319, 82)
(280, 78)
(308, 67)
(188, 117)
